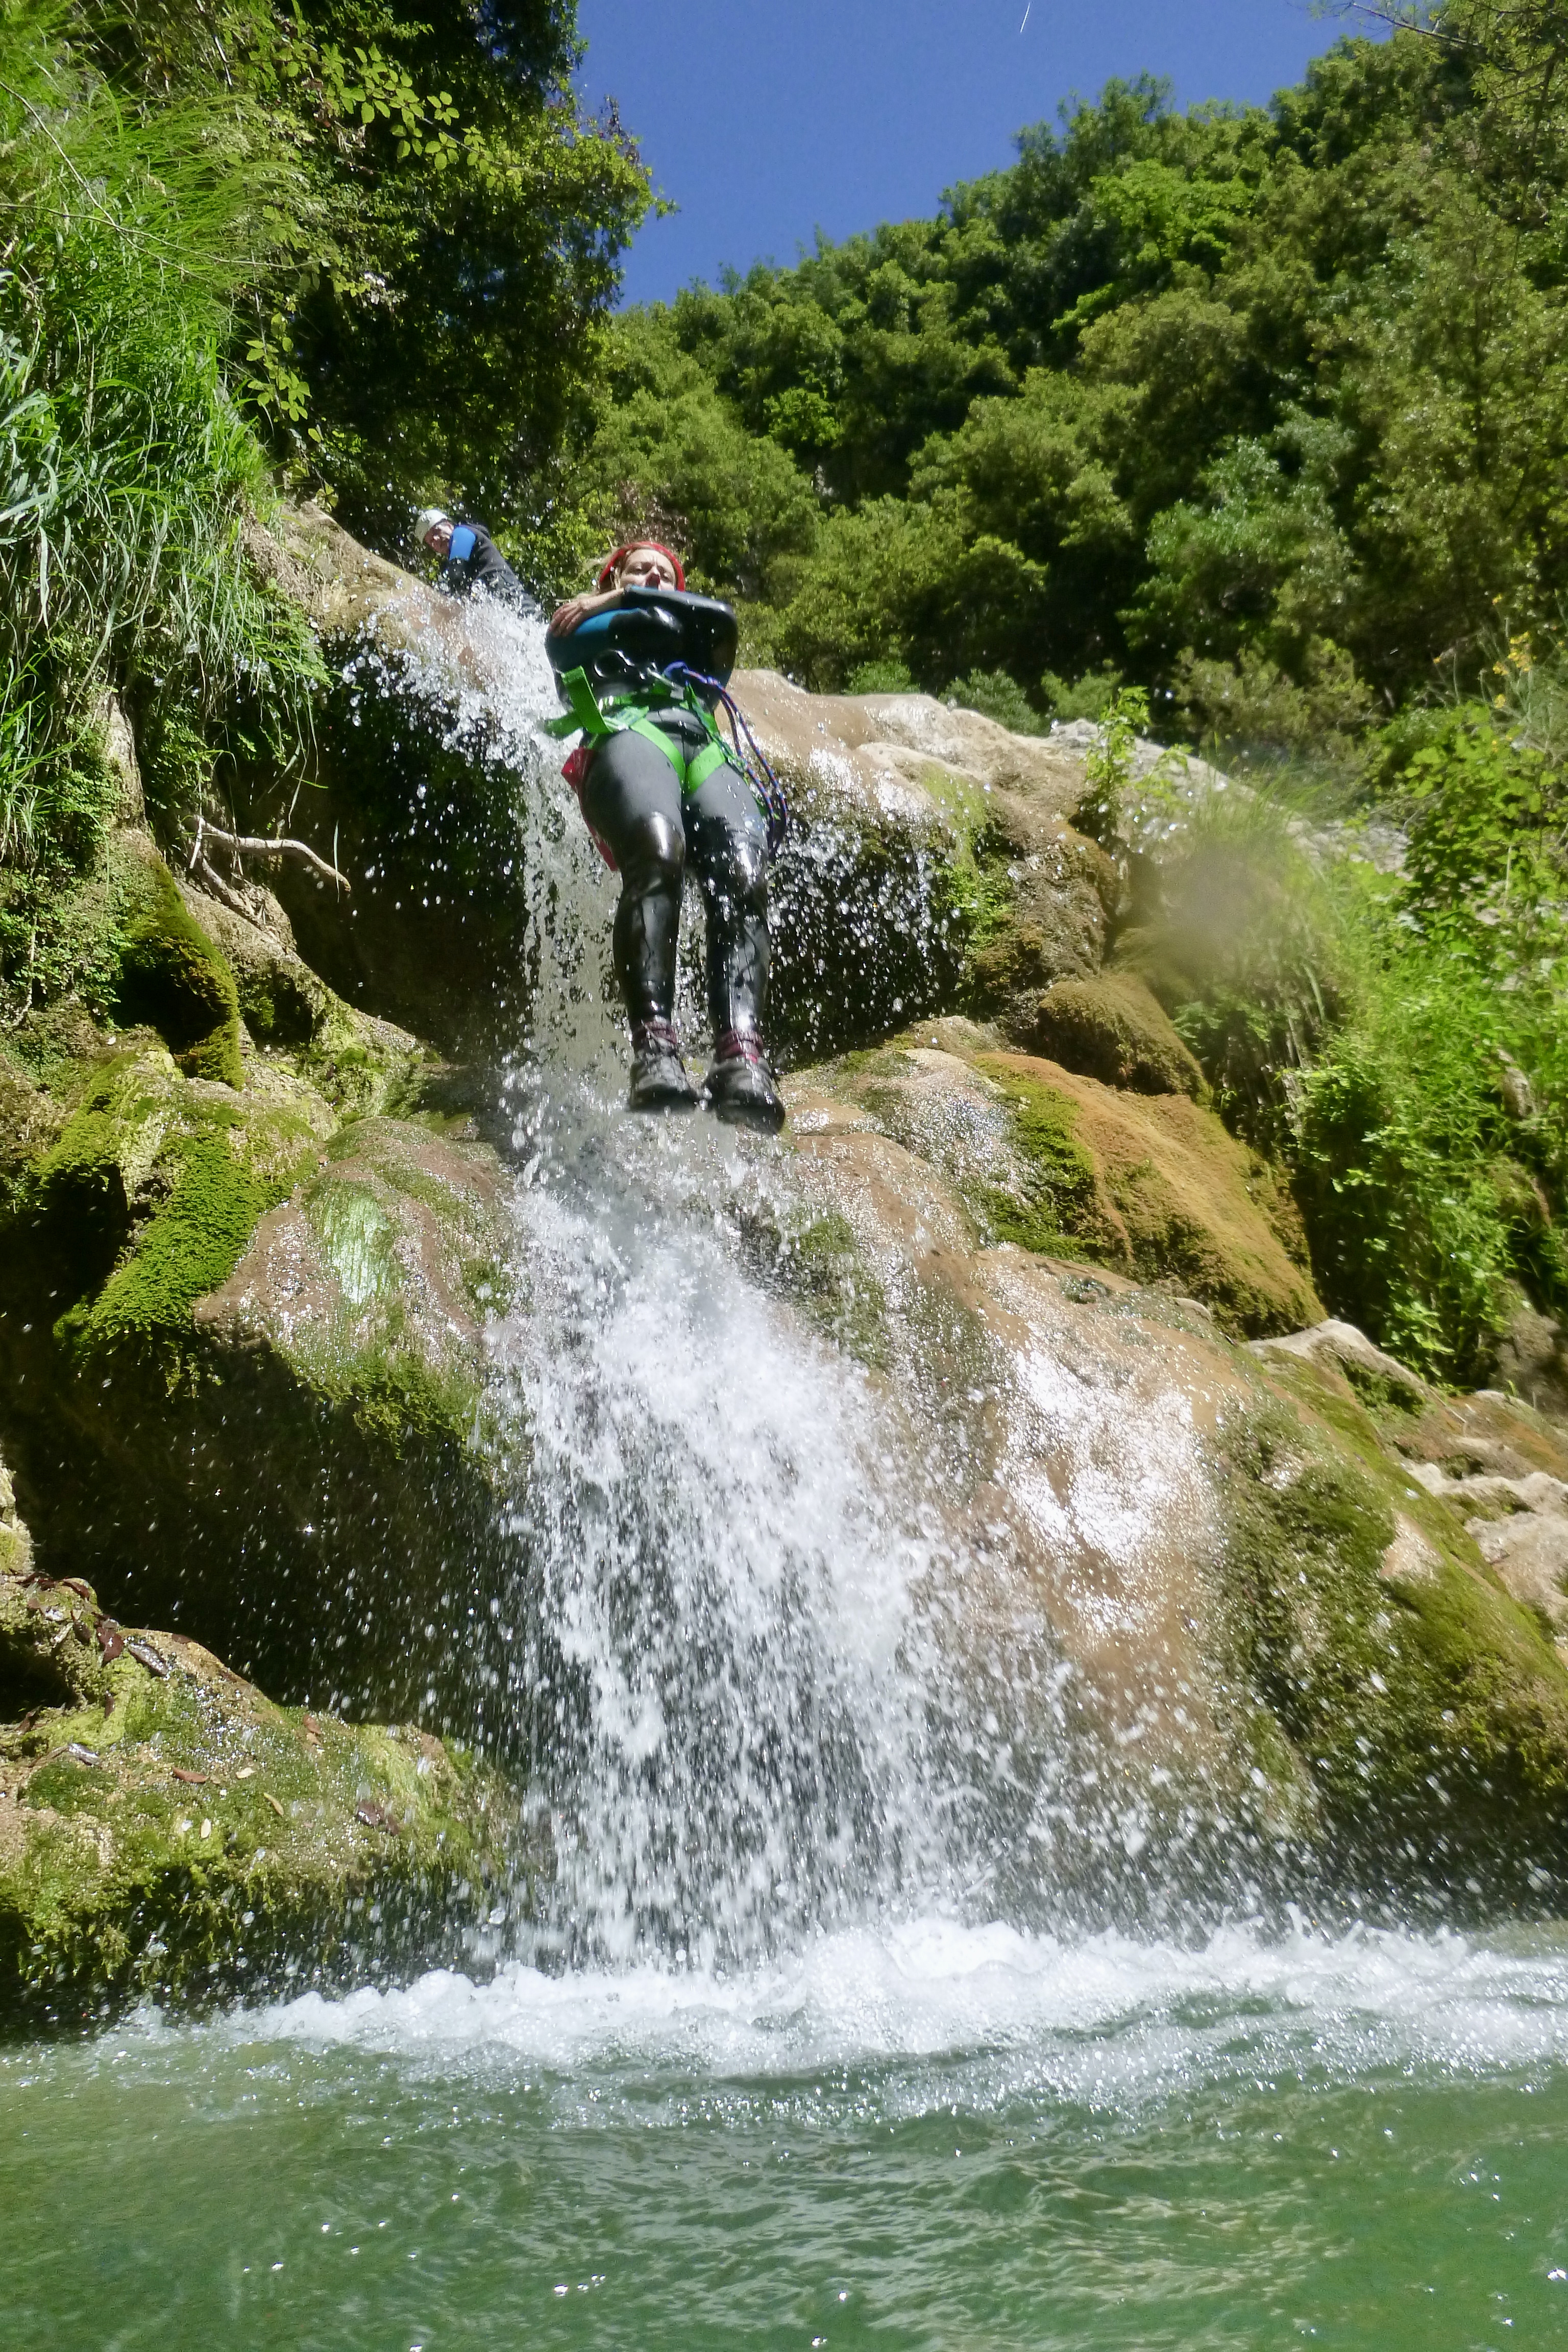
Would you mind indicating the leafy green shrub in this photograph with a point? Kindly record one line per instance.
(997, 696)
(880, 677)
(1396, 1040)
(1087, 698)
(1255, 704)
(1109, 767)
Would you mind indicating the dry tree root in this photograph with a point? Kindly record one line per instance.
(240, 844)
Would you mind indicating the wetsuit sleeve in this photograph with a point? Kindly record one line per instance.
(484, 566)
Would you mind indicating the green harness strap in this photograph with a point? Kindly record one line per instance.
(596, 722)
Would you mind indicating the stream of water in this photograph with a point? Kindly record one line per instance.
(764, 2071)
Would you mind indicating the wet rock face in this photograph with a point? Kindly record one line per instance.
(1201, 1637)
(166, 1832)
(1152, 1188)
(413, 795)
(244, 1381)
(931, 866)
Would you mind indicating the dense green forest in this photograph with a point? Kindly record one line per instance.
(1264, 409)
(1245, 426)
(325, 246)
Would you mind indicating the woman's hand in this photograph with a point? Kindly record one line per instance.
(576, 610)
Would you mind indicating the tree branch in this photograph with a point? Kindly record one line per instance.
(241, 845)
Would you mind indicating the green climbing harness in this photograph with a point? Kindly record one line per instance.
(632, 715)
(693, 694)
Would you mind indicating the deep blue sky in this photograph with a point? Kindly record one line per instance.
(764, 122)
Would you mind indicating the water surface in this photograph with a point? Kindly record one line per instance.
(924, 2137)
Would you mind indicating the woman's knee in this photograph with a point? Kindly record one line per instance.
(736, 872)
(631, 798)
(651, 852)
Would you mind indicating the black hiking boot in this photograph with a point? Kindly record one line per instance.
(661, 1080)
(739, 1085)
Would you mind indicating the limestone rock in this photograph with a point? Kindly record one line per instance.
(1502, 1469)
(424, 746)
(242, 1378)
(1529, 1552)
(1113, 1028)
(167, 1833)
(1342, 1353)
(1196, 1631)
(361, 1063)
(119, 744)
(877, 740)
(345, 589)
(931, 865)
(1152, 1187)
(388, 1257)
(1532, 1360)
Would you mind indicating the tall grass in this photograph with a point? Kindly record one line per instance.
(126, 472)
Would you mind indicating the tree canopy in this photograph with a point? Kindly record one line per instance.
(439, 240)
(1261, 407)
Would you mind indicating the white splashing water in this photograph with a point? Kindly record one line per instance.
(713, 1657)
(936, 2014)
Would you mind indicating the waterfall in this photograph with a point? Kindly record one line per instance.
(712, 1645)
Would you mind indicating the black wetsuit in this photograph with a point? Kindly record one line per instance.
(474, 561)
(659, 813)
(632, 797)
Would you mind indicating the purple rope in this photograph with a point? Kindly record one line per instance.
(770, 793)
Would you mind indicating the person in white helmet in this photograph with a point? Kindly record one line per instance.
(470, 559)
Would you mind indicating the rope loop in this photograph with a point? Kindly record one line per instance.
(759, 774)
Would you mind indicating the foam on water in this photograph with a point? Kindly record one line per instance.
(931, 2013)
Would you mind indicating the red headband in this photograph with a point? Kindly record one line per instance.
(630, 547)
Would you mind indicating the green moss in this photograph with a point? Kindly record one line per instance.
(153, 1192)
(817, 1265)
(357, 1238)
(171, 977)
(1113, 1028)
(1428, 1711)
(830, 1280)
(1059, 1212)
(291, 1846)
(189, 1247)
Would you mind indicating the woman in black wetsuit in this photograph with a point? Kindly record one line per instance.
(659, 792)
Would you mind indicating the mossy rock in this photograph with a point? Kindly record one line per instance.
(1149, 1186)
(30, 1122)
(151, 1191)
(1429, 1707)
(377, 1274)
(1212, 1645)
(817, 1262)
(167, 1833)
(359, 1063)
(170, 977)
(301, 1464)
(1114, 1029)
(1173, 1197)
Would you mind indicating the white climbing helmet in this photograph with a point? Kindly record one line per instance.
(426, 520)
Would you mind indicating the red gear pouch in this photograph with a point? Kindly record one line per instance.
(575, 767)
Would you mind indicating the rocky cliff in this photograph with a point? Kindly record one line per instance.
(1296, 1621)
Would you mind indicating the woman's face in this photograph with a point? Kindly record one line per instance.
(646, 567)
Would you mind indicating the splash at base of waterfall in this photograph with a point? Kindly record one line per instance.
(976, 2015)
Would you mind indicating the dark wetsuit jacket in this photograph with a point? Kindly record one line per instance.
(474, 561)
